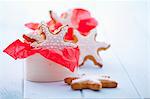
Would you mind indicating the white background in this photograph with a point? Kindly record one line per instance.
(124, 24)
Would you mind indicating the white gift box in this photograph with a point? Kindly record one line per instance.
(40, 69)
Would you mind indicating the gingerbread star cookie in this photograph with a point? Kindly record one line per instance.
(90, 82)
(55, 40)
(89, 47)
(50, 40)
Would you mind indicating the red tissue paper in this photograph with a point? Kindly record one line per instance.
(68, 57)
(83, 20)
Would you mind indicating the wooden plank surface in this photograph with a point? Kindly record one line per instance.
(10, 78)
(111, 67)
(52, 90)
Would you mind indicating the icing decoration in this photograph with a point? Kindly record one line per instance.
(91, 78)
(83, 79)
(89, 47)
(55, 41)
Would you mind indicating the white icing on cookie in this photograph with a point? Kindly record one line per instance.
(89, 46)
(55, 40)
(92, 78)
(84, 79)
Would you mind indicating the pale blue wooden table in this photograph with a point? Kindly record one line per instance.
(111, 67)
(124, 26)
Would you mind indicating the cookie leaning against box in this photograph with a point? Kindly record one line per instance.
(90, 82)
(89, 48)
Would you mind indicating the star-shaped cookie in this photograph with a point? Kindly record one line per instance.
(94, 82)
(51, 40)
(89, 47)
(55, 40)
